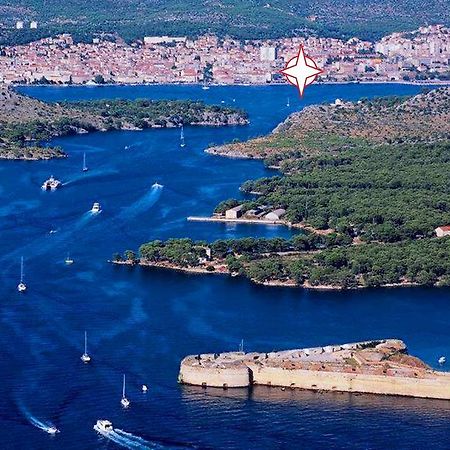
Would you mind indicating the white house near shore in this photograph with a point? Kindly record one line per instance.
(275, 215)
(234, 213)
(442, 231)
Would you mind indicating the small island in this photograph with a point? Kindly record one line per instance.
(370, 367)
(26, 124)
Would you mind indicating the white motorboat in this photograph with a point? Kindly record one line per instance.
(182, 142)
(156, 185)
(96, 208)
(205, 87)
(21, 287)
(68, 260)
(85, 167)
(144, 388)
(51, 184)
(103, 426)
(124, 401)
(85, 356)
(52, 430)
(442, 360)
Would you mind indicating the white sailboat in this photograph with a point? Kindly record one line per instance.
(85, 356)
(241, 346)
(182, 143)
(124, 401)
(68, 260)
(21, 287)
(85, 167)
(288, 104)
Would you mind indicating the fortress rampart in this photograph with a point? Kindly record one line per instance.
(375, 367)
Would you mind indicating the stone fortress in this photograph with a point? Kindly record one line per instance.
(375, 367)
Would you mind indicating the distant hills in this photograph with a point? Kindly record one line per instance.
(254, 19)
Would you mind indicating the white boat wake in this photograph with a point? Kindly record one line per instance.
(142, 204)
(127, 440)
(48, 427)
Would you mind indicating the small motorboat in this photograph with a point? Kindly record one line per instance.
(68, 260)
(103, 426)
(85, 168)
(52, 430)
(205, 87)
(124, 401)
(51, 184)
(144, 388)
(85, 356)
(156, 185)
(96, 208)
(21, 287)
(442, 360)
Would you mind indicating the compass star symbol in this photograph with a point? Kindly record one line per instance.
(301, 70)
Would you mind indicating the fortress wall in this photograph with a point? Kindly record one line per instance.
(436, 387)
(214, 377)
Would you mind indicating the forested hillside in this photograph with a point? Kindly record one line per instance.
(132, 20)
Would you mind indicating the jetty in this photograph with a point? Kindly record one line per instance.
(240, 220)
(372, 367)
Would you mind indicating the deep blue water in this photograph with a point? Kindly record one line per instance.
(143, 322)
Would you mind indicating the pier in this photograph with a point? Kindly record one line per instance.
(239, 220)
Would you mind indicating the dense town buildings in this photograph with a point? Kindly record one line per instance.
(419, 55)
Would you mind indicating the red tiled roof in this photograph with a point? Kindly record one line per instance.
(445, 228)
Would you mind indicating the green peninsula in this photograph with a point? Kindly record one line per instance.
(26, 123)
(368, 183)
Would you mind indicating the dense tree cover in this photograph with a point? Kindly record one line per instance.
(145, 113)
(385, 193)
(242, 19)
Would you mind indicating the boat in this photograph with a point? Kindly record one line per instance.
(68, 259)
(85, 356)
(85, 167)
(52, 430)
(442, 360)
(21, 287)
(96, 208)
(241, 346)
(205, 87)
(103, 426)
(182, 143)
(156, 185)
(51, 184)
(124, 401)
(288, 102)
(144, 388)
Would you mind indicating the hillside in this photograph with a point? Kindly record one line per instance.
(245, 19)
(369, 183)
(26, 123)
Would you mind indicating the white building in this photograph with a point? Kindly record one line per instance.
(234, 213)
(275, 215)
(442, 231)
(33, 25)
(19, 25)
(267, 53)
(163, 39)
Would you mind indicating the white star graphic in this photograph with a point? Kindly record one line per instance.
(301, 71)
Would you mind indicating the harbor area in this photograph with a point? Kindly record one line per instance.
(374, 367)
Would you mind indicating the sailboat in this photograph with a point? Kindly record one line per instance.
(68, 259)
(182, 143)
(288, 104)
(85, 167)
(241, 346)
(21, 287)
(85, 357)
(124, 401)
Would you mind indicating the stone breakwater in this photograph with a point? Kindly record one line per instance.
(374, 367)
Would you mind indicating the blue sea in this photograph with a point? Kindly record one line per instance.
(142, 322)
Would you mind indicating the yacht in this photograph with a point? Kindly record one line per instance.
(156, 185)
(52, 430)
(182, 143)
(124, 401)
(103, 426)
(85, 356)
(96, 208)
(51, 184)
(68, 260)
(21, 287)
(442, 360)
(85, 167)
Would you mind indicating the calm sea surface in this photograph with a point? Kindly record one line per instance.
(142, 322)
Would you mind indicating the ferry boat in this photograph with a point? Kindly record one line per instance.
(124, 401)
(156, 185)
(85, 356)
(96, 208)
(21, 287)
(103, 426)
(51, 184)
